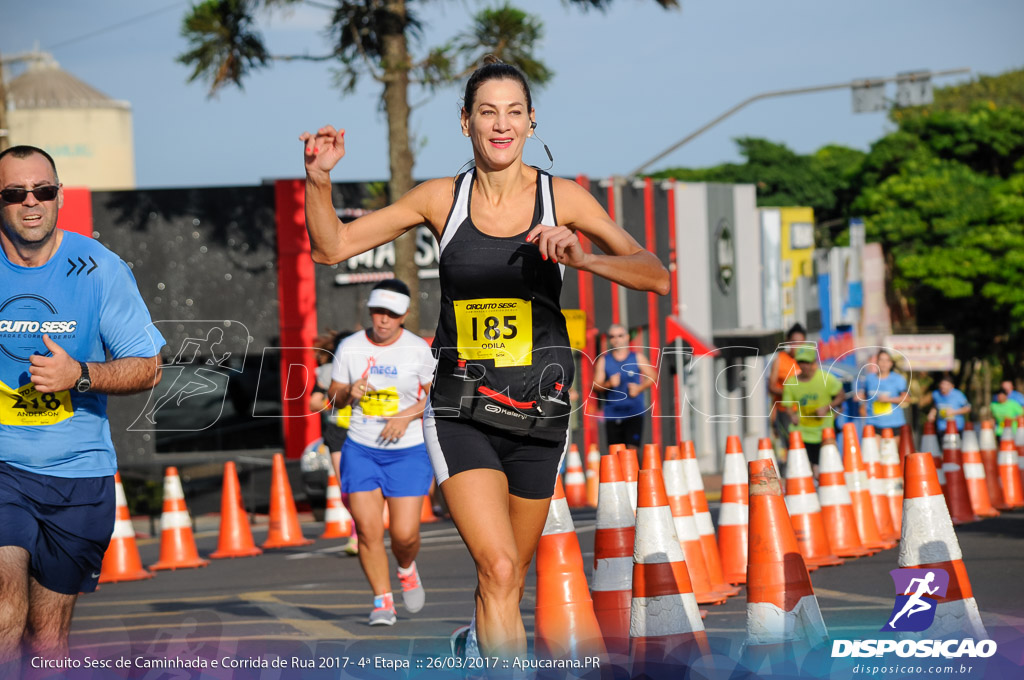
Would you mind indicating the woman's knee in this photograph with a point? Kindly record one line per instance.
(499, 573)
(404, 541)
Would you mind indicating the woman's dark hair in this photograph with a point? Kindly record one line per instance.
(393, 284)
(796, 328)
(494, 69)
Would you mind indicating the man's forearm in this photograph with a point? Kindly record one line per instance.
(124, 376)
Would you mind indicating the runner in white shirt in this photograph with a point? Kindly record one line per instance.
(385, 374)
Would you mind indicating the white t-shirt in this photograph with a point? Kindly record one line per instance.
(395, 376)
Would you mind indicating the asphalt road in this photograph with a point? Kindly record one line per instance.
(305, 610)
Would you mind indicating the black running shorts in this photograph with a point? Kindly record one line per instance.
(457, 445)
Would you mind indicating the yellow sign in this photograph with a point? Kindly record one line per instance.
(27, 406)
(576, 324)
(498, 329)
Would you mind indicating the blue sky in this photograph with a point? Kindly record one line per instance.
(629, 82)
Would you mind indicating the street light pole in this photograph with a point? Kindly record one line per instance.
(853, 84)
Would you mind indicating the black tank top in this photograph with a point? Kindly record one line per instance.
(501, 323)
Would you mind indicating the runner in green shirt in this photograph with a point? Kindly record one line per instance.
(812, 396)
(1002, 408)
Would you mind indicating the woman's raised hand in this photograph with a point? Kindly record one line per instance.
(323, 150)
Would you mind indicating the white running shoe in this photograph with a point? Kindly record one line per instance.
(413, 595)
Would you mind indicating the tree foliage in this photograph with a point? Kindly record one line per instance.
(372, 38)
(944, 195)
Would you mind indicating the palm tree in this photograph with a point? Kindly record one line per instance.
(371, 38)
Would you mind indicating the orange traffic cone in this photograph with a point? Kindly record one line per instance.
(630, 467)
(836, 506)
(876, 485)
(974, 475)
(906, 444)
(565, 626)
(674, 477)
(593, 470)
(989, 458)
(613, 557)
(1019, 441)
(928, 534)
(892, 478)
(765, 451)
(427, 512)
(1009, 472)
(235, 534)
(665, 627)
(575, 480)
(337, 520)
(804, 507)
(930, 444)
(121, 561)
(955, 491)
(860, 495)
(177, 545)
(702, 516)
(783, 618)
(651, 458)
(732, 516)
(284, 531)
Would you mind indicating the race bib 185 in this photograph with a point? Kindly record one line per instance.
(498, 329)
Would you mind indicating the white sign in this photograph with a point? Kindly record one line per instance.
(922, 352)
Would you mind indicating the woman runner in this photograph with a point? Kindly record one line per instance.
(497, 423)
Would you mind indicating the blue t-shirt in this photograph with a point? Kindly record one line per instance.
(954, 400)
(1016, 396)
(884, 414)
(617, 402)
(86, 299)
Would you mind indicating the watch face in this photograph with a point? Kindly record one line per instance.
(83, 385)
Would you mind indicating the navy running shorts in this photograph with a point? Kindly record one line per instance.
(530, 464)
(396, 472)
(64, 524)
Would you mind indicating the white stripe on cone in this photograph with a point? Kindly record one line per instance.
(664, 615)
(559, 521)
(768, 624)
(733, 514)
(613, 510)
(175, 519)
(658, 541)
(802, 504)
(172, 488)
(123, 528)
(613, 574)
(928, 538)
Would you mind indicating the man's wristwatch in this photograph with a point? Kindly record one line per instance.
(84, 383)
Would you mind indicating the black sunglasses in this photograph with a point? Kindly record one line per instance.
(43, 193)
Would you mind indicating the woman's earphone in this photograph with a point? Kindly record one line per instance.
(533, 126)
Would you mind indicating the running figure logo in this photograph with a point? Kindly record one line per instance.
(195, 385)
(917, 594)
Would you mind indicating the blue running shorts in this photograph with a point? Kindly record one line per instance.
(396, 472)
(64, 524)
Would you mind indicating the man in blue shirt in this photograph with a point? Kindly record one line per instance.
(1007, 387)
(620, 376)
(948, 402)
(57, 460)
(884, 393)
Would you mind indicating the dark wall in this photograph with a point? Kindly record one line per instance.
(205, 262)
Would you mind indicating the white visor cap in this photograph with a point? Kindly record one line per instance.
(393, 301)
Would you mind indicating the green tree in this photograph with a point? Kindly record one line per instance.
(943, 195)
(371, 38)
(823, 180)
